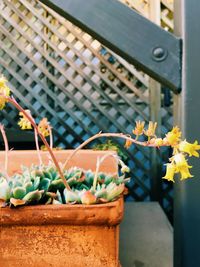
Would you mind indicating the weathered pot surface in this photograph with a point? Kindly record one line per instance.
(100, 214)
(61, 235)
(71, 235)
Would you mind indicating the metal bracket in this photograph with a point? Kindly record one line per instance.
(130, 35)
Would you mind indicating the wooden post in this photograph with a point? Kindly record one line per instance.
(155, 113)
(187, 108)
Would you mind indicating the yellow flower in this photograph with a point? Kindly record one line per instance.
(139, 128)
(151, 129)
(3, 81)
(43, 127)
(179, 159)
(189, 148)
(4, 92)
(182, 166)
(128, 144)
(184, 171)
(157, 141)
(173, 137)
(170, 172)
(24, 123)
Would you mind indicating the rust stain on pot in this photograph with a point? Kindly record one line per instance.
(61, 235)
(58, 243)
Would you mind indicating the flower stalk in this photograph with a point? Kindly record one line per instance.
(98, 164)
(37, 147)
(14, 102)
(50, 137)
(117, 135)
(5, 140)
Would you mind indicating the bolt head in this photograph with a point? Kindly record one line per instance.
(159, 53)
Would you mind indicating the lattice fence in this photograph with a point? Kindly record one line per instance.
(61, 72)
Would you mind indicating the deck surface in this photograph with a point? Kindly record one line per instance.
(146, 236)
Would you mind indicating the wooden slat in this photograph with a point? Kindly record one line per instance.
(168, 4)
(57, 67)
(24, 100)
(141, 6)
(50, 77)
(87, 79)
(43, 85)
(56, 32)
(101, 58)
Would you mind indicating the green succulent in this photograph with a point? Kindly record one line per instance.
(5, 190)
(43, 185)
(108, 189)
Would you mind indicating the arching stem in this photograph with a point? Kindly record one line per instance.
(14, 102)
(50, 137)
(37, 147)
(5, 140)
(99, 135)
(98, 164)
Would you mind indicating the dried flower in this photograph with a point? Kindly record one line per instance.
(43, 127)
(24, 123)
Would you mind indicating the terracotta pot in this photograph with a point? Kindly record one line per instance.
(61, 235)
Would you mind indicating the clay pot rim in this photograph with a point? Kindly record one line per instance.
(64, 206)
(62, 151)
(78, 214)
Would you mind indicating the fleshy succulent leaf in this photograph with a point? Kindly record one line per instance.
(56, 185)
(44, 184)
(17, 202)
(56, 202)
(36, 182)
(89, 177)
(47, 174)
(108, 179)
(4, 189)
(102, 193)
(19, 192)
(33, 196)
(71, 197)
(114, 191)
(17, 183)
(59, 196)
(83, 186)
(88, 198)
(29, 187)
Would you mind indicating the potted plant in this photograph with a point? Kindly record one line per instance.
(64, 207)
